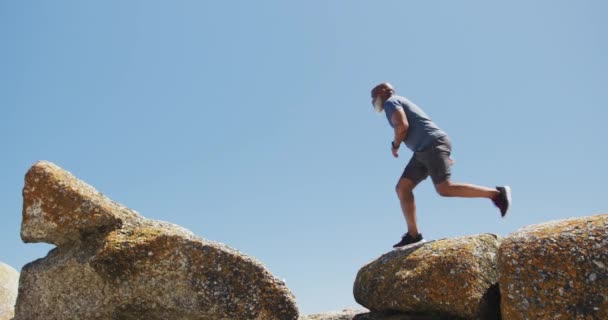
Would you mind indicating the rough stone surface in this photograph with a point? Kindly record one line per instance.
(9, 281)
(60, 209)
(111, 263)
(556, 270)
(449, 278)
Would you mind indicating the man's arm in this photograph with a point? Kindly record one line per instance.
(401, 125)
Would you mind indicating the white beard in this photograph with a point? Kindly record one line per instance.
(378, 105)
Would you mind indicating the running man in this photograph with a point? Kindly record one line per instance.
(432, 148)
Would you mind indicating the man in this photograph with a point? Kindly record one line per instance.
(432, 149)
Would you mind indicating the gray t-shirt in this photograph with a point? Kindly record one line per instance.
(422, 131)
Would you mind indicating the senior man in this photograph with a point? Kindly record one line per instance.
(431, 149)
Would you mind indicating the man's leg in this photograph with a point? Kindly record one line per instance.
(405, 189)
(437, 160)
(501, 196)
(449, 188)
(414, 172)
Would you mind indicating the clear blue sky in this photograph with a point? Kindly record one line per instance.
(250, 123)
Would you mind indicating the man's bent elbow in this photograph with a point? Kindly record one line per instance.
(400, 129)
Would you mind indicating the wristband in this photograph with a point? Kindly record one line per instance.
(393, 145)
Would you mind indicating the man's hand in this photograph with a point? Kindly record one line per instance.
(399, 121)
(395, 149)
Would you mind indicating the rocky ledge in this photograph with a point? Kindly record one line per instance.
(112, 263)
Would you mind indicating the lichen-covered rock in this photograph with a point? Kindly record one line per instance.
(111, 263)
(450, 278)
(58, 208)
(9, 281)
(556, 270)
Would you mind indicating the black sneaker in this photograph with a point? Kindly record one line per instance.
(408, 239)
(503, 199)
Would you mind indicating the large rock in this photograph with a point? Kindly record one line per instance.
(9, 281)
(111, 263)
(450, 278)
(556, 270)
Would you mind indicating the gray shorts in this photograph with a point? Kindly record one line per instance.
(433, 161)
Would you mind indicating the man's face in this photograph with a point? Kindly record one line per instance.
(379, 95)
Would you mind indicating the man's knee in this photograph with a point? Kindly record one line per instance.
(405, 189)
(444, 189)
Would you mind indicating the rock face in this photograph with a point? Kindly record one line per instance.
(449, 278)
(111, 263)
(556, 270)
(9, 281)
